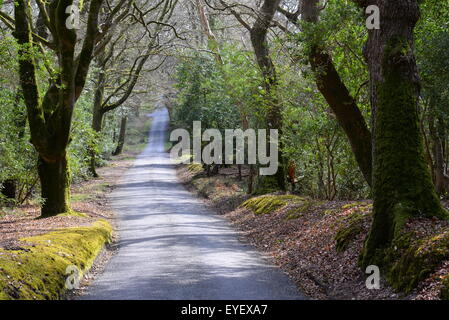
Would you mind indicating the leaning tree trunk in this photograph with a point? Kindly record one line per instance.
(55, 185)
(337, 95)
(402, 184)
(121, 137)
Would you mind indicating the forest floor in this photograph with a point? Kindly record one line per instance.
(300, 237)
(88, 197)
(23, 222)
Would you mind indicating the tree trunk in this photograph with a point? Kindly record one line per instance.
(55, 186)
(274, 119)
(97, 116)
(437, 134)
(50, 116)
(402, 184)
(345, 109)
(251, 174)
(212, 40)
(121, 137)
(9, 189)
(97, 120)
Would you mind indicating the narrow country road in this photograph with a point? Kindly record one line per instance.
(172, 247)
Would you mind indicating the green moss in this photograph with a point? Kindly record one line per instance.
(298, 210)
(356, 204)
(269, 203)
(444, 292)
(80, 197)
(403, 185)
(195, 168)
(329, 211)
(418, 259)
(36, 270)
(74, 214)
(351, 227)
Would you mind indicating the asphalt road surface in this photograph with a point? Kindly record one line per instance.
(172, 247)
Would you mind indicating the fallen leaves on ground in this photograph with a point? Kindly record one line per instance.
(304, 247)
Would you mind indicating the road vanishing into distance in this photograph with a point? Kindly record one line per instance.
(173, 247)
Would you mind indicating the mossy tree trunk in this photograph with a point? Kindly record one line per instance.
(50, 116)
(212, 40)
(402, 184)
(55, 185)
(97, 121)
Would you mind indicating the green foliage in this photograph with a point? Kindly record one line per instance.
(14, 133)
(84, 138)
(219, 95)
(203, 95)
(325, 165)
(312, 137)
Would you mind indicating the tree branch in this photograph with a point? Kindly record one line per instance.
(86, 54)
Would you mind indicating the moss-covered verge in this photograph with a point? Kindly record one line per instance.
(351, 226)
(322, 240)
(37, 269)
(444, 291)
(267, 204)
(412, 260)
